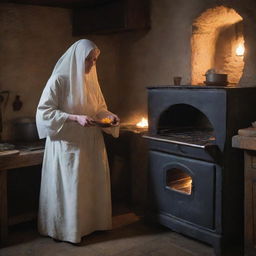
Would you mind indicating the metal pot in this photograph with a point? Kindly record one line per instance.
(213, 78)
(25, 129)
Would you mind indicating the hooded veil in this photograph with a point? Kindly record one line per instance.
(72, 92)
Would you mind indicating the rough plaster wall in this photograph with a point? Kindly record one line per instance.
(153, 57)
(202, 55)
(129, 61)
(226, 60)
(107, 68)
(32, 40)
(213, 31)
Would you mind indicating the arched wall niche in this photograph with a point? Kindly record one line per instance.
(216, 34)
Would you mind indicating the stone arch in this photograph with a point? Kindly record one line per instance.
(216, 34)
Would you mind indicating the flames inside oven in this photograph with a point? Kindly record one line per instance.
(184, 123)
(178, 180)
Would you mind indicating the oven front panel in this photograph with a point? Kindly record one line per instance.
(167, 105)
(195, 204)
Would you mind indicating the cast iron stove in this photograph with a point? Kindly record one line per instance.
(195, 176)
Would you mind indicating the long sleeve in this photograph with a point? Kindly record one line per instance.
(103, 112)
(49, 117)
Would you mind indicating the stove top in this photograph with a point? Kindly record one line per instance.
(199, 137)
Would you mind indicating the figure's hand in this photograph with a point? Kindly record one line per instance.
(115, 119)
(83, 120)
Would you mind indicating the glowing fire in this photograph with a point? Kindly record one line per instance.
(143, 123)
(182, 184)
(240, 50)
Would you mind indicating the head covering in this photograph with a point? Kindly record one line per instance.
(69, 90)
(71, 66)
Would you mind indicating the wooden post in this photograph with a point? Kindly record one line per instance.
(3, 207)
(250, 202)
(248, 143)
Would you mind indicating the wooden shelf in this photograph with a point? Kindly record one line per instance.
(244, 142)
(112, 16)
(58, 3)
(25, 158)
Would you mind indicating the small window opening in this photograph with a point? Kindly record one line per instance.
(179, 181)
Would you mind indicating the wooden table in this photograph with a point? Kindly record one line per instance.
(249, 146)
(23, 159)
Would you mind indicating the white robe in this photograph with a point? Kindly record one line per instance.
(75, 197)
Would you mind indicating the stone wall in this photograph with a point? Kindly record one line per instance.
(153, 57)
(32, 40)
(213, 42)
(34, 37)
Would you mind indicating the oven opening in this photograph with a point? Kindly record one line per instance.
(179, 181)
(185, 123)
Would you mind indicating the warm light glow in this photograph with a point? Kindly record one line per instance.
(182, 185)
(143, 123)
(240, 50)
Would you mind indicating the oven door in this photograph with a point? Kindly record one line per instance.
(183, 188)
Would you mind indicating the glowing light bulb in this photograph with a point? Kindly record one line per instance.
(240, 50)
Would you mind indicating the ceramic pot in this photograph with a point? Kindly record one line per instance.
(216, 78)
(25, 129)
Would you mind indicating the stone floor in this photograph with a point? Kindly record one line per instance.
(130, 236)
